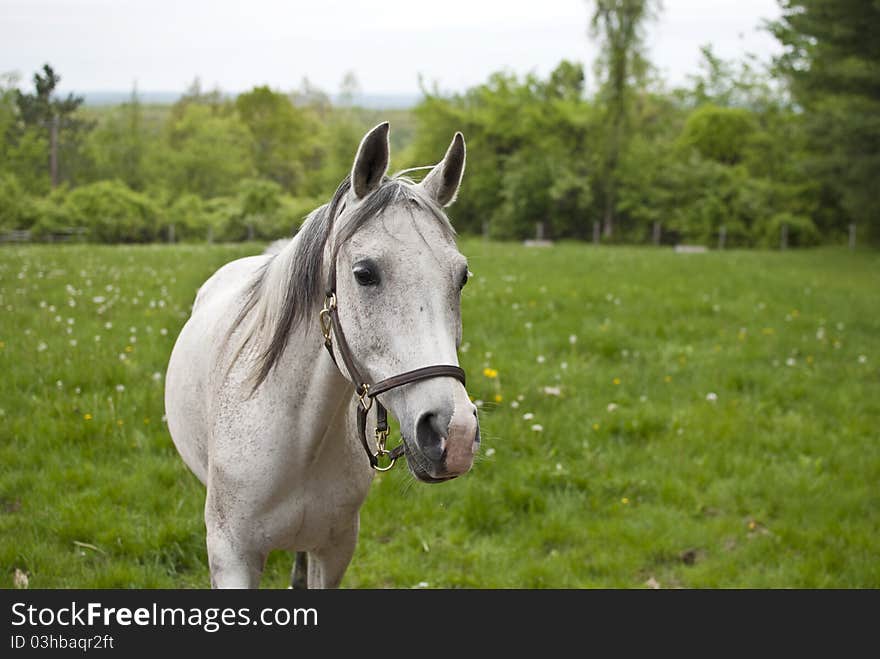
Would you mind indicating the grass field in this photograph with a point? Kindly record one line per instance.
(648, 418)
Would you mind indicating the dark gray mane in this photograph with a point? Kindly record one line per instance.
(269, 315)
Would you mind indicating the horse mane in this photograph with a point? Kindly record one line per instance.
(289, 287)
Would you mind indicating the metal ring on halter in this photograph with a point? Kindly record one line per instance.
(380, 454)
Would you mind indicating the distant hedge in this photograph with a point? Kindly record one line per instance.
(111, 212)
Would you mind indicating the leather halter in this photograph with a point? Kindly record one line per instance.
(365, 391)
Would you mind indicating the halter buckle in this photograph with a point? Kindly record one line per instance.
(326, 318)
(363, 394)
(381, 440)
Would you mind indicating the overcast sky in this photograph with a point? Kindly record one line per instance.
(102, 45)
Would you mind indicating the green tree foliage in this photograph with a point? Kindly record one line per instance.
(732, 151)
(619, 26)
(528, 152)
(119, 145)
(719, 134)
(15, 204)
(24, 150)
(40, 115)
(832, 62)
(209, 152)
(283, 137)
(109, 211)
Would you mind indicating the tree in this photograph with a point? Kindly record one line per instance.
(832, 61)
(119, 144)
(283, 136)
(619, 27)
(209, 153)
(42, 112)
(530, 152)
(349, 89)
(718, 133)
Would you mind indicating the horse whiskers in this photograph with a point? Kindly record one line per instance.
(405, 486)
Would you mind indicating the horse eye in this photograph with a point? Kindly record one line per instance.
(464, 278)
(365, 275)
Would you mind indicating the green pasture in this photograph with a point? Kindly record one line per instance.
(648, 419)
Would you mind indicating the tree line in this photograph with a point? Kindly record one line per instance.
(745, 149)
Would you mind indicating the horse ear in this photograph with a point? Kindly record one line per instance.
(371, 161)
(443, 181)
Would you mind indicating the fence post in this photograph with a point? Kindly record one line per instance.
(210, 235)
(597, 229)
(722, 236)
(783, 241)
(171, 233)
(655, 234)
(852, 236)
(485, 229)
(250, 232)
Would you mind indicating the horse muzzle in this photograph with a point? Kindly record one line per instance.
(446, 441)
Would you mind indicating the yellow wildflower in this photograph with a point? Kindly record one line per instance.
(490, 372)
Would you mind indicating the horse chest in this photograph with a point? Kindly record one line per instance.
(309, 515)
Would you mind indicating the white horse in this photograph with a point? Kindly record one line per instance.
(264, 417)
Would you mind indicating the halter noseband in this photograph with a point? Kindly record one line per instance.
(366, 392)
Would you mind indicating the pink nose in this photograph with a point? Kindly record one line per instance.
(449, 440)
(462, 440)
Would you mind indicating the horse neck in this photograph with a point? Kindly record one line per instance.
(305, 371)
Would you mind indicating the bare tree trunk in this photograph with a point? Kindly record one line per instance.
(53, 150)
(608, 218)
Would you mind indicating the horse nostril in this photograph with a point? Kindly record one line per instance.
(431, 436)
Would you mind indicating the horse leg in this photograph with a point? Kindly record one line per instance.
(232, 564)
(327, 565)
(299, 576)
(234, 560)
